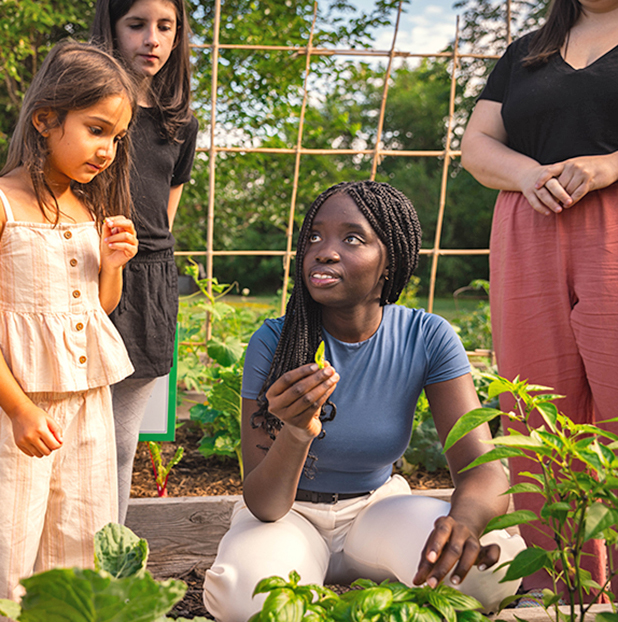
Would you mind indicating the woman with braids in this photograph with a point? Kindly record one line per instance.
(544, 132)
(319, 443)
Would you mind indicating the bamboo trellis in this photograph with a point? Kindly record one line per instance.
(377, 153)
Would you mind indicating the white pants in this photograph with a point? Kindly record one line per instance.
(378, 536)
(51, 507)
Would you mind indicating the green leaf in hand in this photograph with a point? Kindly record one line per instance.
(319, 356)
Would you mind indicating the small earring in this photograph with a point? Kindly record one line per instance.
(45, 133)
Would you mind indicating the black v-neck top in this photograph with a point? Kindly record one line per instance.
(554, 112)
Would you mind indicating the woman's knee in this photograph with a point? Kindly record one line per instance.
(251, 551)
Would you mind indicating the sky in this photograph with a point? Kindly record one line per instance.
(426, 26)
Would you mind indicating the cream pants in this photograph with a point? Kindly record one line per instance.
(378, 536)
(51, 507)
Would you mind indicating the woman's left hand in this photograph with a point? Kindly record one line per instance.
(118, 241)
(579, 176)
(453, 544)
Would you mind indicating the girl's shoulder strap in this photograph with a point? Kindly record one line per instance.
(7, 207)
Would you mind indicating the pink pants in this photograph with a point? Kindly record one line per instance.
(554, 312)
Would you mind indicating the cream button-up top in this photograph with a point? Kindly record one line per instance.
(54, 334)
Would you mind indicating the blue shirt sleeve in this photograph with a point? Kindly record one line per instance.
(447, 358)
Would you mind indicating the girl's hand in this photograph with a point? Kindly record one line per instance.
(298, 396)
(452, 544)
(118, 242)
(579, 176)
(35, 432)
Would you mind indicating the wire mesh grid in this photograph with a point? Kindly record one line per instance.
(376, 152)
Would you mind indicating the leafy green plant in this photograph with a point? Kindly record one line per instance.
(162, 471)
(120, 589)
(474, 329)
(386, 602)
(220, 415)
(578, 482)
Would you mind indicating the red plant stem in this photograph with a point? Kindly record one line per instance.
(161, 492)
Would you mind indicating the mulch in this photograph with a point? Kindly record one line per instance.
(199, 476)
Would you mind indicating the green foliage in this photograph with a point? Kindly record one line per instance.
(220, 415)
(221, 378)
(119, 590)
(119, 551)
(577, 481)
(425, 448)
(162, 471)
(474, 329)
(386, 602)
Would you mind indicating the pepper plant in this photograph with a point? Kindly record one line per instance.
(386, 602)
(578, 481)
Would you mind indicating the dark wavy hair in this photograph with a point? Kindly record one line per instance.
(171, 86)
(551, 36)
(393, 217)
(74, 76)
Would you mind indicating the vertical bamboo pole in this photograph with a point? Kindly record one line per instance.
(445, 168)
(387, 77)
(212, 158)
(299, 140)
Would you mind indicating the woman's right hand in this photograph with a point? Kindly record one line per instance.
(35, 432)
(298, 396)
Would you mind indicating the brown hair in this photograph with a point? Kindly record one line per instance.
(171, 86)
(74, 76)
(551, 36)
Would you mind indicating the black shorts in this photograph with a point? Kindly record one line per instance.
(147, 312)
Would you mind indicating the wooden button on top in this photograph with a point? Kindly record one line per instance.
(68, 235)
(76, 294)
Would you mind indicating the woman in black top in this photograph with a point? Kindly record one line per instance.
(544, 132)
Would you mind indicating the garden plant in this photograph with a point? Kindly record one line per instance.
(119, 589)
(386, 602)
(578, 483)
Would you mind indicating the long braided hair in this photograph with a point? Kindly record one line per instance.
(393, 217)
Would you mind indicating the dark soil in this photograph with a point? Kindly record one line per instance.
(199, 476)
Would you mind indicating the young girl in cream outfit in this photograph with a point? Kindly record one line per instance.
(64, 242)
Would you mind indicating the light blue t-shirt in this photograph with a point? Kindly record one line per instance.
(381, 380)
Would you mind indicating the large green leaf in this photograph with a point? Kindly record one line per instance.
(497, 453)
(9, 608)
(227, 352)
(549, 412)
(524, 487)
(525, 563)
(468, 422)
(73, 595)
(598, 518)
(282, 605)
(519, 517)
(119, 551)
(442, 606)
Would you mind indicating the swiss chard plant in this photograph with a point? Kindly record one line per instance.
(162, 471)
(386, 602)
(578, 481)
(119, 589)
